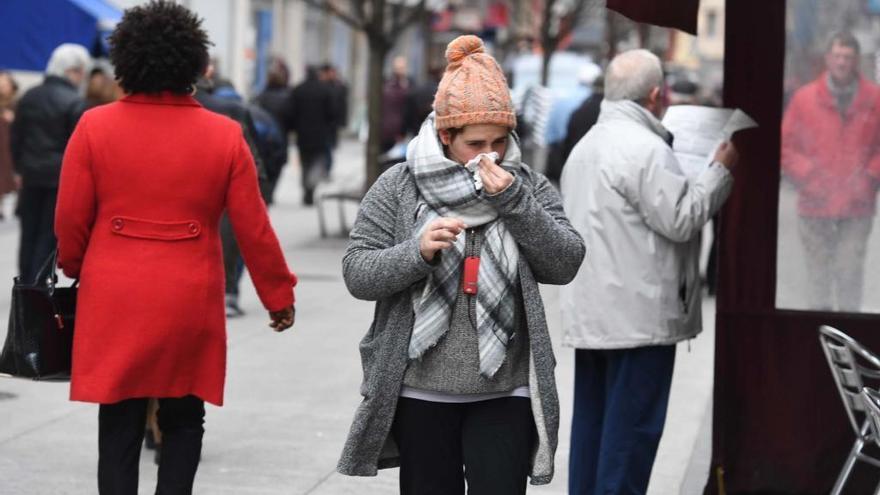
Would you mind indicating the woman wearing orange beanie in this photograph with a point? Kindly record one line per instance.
(458, 365)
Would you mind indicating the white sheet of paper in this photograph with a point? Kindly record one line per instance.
(699, 130)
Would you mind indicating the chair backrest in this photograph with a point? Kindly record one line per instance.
(871, 401)
(850, 363)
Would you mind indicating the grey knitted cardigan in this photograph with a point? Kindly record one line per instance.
(383, 262)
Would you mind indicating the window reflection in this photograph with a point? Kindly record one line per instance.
(830, 165)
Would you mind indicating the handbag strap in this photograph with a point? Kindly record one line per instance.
(46, 274)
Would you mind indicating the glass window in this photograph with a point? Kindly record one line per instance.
(829, 235)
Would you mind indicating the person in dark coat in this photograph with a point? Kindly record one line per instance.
(271, 141)
(339, 90)
(45, 118)
(273, 100)
(583, 119)
(394, 95)
(235, 110)
(312, 115)
(143, 184)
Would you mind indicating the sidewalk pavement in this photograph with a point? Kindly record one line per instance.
(290, 397)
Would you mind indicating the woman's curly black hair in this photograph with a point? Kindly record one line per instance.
(157, 47)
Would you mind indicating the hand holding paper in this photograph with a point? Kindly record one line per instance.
(727, 155)
(699, 133)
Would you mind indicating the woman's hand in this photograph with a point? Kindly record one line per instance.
(282, 320)
(440, 234)
(495, 178)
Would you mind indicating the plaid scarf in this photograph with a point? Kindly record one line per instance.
(447, 189)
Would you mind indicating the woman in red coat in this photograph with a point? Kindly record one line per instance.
(143, 184)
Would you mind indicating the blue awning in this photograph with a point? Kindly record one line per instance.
(33, 28)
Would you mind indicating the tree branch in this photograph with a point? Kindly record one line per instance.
(331, 8)
(574, 17)
(416, 12)
(358, 6)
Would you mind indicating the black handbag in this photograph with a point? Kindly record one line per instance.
(39, 342)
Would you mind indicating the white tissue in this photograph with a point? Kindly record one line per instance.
(473, 167)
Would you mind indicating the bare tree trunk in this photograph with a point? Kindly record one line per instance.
(545, 67)
(427, 53)
(378, 51)
(548, 41)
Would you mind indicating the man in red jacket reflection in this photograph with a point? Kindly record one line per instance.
(830, 138)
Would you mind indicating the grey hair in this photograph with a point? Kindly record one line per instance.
(68, 56)
(632, 75)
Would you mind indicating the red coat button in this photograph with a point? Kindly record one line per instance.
(118, 224)
(194, 228)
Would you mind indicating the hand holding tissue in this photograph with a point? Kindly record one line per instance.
(473, 166)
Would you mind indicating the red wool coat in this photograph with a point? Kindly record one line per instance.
(834, 161)
(143, 184)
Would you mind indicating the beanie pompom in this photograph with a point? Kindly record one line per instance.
(461, 47)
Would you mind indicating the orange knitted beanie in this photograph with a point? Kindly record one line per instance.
(473, 89)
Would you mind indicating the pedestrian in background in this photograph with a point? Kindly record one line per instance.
(101, 88)
(206, 93)
(8, 180)
(395, 92)
(458, 364)
(339, 92)
(143, 185)
(44, 120)
(583, 119)
(312, 115)
(831, 153)
(638, 293)
(273, 99)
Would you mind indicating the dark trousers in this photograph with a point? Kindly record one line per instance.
(36, 211)
(835, 250)
(488, 444)
(712, 262)
(121, 433)
(315, 168)
(620, 399)
(233, 264)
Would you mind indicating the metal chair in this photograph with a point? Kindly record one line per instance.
(340, 197)
(851, 364)
(343, 186)
(871, 401)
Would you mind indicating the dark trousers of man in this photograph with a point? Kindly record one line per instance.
(835, 251)
(488, 444)
(315, 168)
(620, 399)
(36, 210)
(121, 433)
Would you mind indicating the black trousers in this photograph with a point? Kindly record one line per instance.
(232, 260)
(121, 433)
(487, 444)
(36, 210)
(315, 168)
